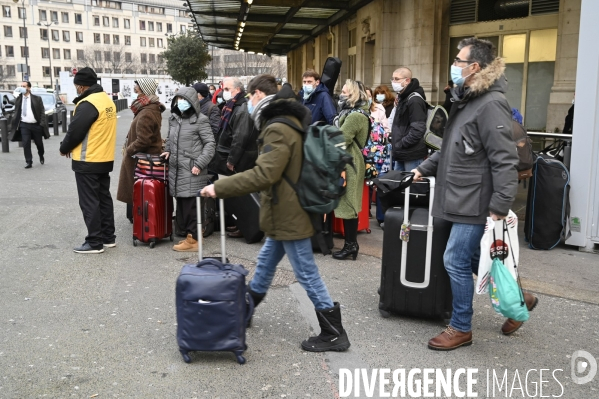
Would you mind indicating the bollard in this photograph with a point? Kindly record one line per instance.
(55, 123)
(4, 128)
(64, 120)
(119, 105)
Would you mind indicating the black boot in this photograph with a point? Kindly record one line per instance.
(257, 299)
(349, 249)
(332, 335)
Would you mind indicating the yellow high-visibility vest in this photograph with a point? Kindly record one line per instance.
(100, 142)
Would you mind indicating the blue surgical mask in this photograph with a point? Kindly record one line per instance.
(22, 90)
(183, 105)
(308, 89)
(133, 96)
(219, 100)
(370, 101)
(456, 75)
(380, 98)
(250, 107)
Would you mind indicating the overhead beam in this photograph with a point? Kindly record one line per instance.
(325, 4)
(266, 18)
(290, 14)
(256, 29)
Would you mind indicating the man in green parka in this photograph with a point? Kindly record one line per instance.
(287, 226)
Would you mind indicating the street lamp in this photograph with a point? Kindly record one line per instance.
(25, 37)
(47, 25)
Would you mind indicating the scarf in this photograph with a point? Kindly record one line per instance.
(228, 111)
(142, 101)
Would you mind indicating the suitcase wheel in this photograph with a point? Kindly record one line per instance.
(152, 244)
(240, 358)
(186, 357)
(384, 313)
(135, 242)
(368, 231)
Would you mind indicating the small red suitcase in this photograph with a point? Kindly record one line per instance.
(363, 216)
(152, 211)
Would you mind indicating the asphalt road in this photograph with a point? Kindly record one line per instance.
(104, 326)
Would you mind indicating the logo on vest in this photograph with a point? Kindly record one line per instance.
(110, 114)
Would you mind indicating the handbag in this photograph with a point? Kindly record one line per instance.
(149, 166)
(504, 290)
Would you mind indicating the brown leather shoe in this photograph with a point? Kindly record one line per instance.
(511, 326)
(450, 339)
(235, 234)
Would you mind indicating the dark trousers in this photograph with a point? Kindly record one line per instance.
(96, 205)
(350, 228)
(31, 131)
(189, 218)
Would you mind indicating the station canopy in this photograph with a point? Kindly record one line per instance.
(267, 26)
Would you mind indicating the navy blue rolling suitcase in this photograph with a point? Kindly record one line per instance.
(213, 306)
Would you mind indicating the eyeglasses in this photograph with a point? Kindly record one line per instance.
(396, 79)
(457, 61)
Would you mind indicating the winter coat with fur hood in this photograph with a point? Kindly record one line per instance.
(190, 143)
(280, 153)
(476, 167)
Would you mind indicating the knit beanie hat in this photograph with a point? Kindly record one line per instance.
(86, 77)
(148, 86)
(202, 88)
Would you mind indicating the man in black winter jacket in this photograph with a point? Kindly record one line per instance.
(409, 123)
(208, 108)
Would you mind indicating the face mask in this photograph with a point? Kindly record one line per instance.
(370, 101)
(211, 91)
(21, 90)
(226, 95)
(380, 98)
(397, 87)
(308, 89)
(134, 96)
(183, 105)
(250, 107)
(456, 75)
(342, 100)
(219, 100)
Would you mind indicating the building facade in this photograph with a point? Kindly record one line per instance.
(113, 37)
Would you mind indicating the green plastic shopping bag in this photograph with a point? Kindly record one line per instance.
(505, 292)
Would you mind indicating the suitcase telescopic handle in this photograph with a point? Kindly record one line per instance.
(221, 205)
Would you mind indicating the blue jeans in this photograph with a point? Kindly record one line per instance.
(407, 166)
(461, 260)
(301, 258)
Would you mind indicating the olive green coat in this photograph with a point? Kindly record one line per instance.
(355, 126)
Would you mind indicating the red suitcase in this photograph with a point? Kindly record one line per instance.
(363, 216)
(152, 211)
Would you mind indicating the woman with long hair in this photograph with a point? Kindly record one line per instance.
(354, 122)
(383, 96)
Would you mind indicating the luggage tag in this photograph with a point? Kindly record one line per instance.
(404, 235)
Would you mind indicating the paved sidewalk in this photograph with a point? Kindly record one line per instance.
(102, 326)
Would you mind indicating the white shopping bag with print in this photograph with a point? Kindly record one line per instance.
(493, 246)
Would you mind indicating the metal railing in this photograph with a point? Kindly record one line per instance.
(566, 138)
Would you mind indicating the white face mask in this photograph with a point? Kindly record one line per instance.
(227, 95)
(212, 91)
(397, 87)
(380, 98)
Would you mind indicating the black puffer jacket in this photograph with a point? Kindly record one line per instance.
(409, 124)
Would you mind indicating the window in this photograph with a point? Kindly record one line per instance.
(144, 71)
(65, 17)
(22, 32)
(55, 35)
(116, 56)
(158, 26)
(96, 20)
(115, 22)
(78, 19)
(10, 51)
(97, 38)
(106, 4)
(54, 15)
(66, 36)
(142, 41)
(22, 13)
(142, 25)
(169, 28)
(127, 40)
(43, 15)
(127, 23)
(56, 53)
(352, 38)
(44, 34)
(182, 13)
(106, 39)
(127, 57)
(79, 37)
(24, 51)
(183, 28)
(57, 71)
(99, 70)
(159, 43)
(7, 31)
(6, 11)
(106, 22)
(151, 42)
(80, 55)
(67, 55)
(151, 25)
(107, 55)
(152, 58)
(10, 71)
(115, 39)
(98, 55)
(46, 71)
(150, 9)
(45, 52)
(144, 58)
(129, 71)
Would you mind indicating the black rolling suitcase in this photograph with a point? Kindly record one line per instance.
(213, 306)
(246, 211)
(413, 277)
(330, 73)
(548, 204)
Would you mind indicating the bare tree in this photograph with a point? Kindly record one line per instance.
(111, 59)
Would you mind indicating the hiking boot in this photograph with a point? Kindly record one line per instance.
(86, 248)
(187, 245)
(257, 298)
(511, 326)
(332, 335)
(450, 339)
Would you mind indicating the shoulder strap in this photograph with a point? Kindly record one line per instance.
(287, 122)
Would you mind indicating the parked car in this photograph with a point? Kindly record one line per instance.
(52, 104)
(7, 106)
